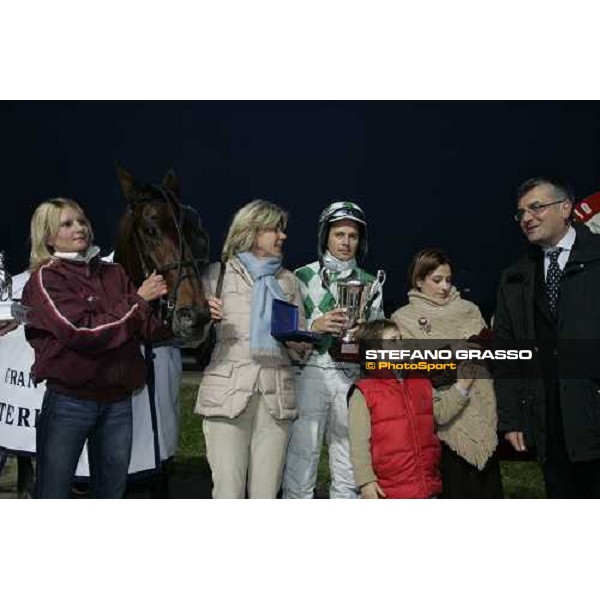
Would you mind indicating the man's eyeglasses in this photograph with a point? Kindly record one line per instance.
(535, 209)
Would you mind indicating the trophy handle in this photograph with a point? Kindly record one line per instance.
(364, 305)
(375, 289)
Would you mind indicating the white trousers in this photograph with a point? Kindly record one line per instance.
(247, 452)
(322, 410)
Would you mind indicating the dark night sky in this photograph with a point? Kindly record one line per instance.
(426, 173)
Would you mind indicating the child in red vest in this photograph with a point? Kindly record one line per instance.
(394, 449)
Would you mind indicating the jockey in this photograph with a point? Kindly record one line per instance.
(323, 383)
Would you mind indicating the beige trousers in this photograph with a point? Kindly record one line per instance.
(247, 449)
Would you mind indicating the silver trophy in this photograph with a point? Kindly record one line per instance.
(6, 291)
(9, 309)
(356, 298)
(5, 281)
(351, 297)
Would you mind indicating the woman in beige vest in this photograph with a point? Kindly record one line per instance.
(467, 427)
(246, 394)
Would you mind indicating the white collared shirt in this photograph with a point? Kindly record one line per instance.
(566, 243)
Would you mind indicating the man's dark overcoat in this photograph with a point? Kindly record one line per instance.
(565, 371)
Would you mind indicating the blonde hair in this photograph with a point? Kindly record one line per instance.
(247, 222)
(45, 223)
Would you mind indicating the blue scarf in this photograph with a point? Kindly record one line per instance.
(264, 290)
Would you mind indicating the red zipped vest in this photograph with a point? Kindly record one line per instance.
(404, 448)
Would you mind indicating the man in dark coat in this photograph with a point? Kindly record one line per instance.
(550, 299)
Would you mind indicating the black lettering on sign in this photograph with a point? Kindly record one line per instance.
(19, 378)
(23, 417)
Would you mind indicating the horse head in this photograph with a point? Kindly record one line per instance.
(160, 234)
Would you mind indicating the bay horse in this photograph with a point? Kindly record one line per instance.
(160, 234)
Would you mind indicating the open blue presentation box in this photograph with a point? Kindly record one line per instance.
(284, 324)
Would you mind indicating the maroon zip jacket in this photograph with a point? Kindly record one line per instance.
(85, 325)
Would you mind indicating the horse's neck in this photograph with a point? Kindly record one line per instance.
(126, 253)
(134, 271)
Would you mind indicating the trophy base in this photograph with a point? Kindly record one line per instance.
(345, 350)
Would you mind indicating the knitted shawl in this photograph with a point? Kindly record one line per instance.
(472, 433)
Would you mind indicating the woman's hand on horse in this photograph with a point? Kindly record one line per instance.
(216, 308)
(332, 321)
(154, 287)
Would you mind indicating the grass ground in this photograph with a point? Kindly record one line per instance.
(520, 479)
(190, 473)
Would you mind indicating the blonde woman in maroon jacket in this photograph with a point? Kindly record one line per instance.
(84, 323)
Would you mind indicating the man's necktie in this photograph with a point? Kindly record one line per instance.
(553, 279)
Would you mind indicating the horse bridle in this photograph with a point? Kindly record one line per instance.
(167, 304)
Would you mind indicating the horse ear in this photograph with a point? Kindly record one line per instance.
(127, 182)
(171, 182)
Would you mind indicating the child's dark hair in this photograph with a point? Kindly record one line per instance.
(373, 330)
